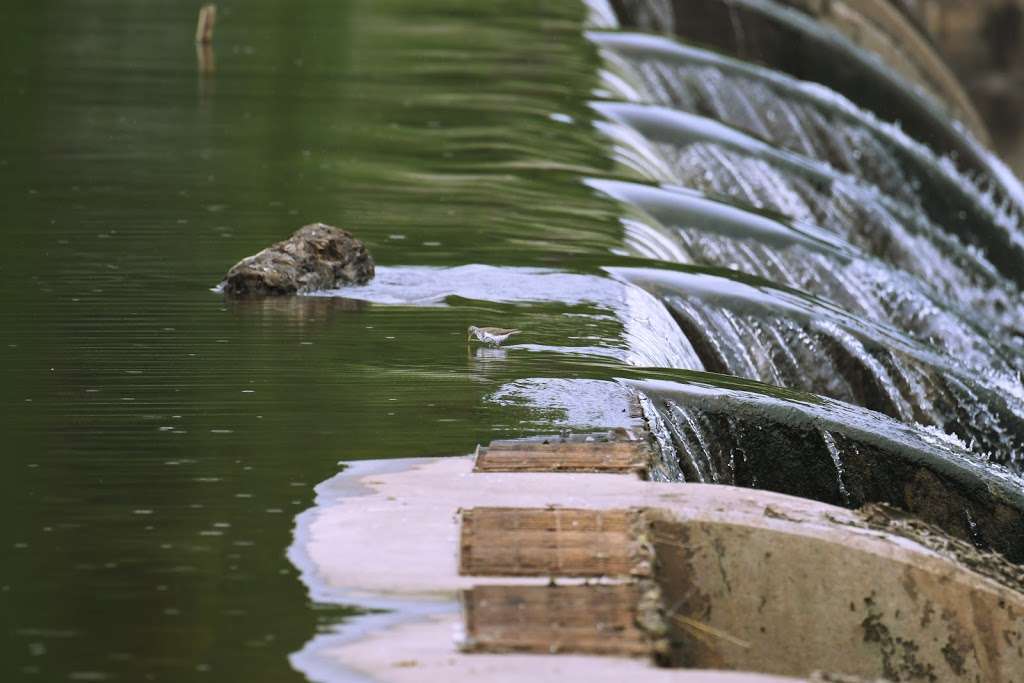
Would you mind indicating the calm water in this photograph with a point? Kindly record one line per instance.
(157, 442)
(852, 289)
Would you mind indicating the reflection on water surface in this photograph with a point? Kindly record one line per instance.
(159, 441)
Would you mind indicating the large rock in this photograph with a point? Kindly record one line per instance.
(317, 256)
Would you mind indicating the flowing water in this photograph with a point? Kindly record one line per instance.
(802, 296)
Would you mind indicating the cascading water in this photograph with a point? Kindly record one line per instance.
(804, 291)
(803, 257)
(788, 40)
(741, 434)
(756, 331)
(704, 155)
(803, 297)
(825, 251)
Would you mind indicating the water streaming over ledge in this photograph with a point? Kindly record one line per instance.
(827, 252)
(808, 300)
(804, 296)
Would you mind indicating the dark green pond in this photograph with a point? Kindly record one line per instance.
(157, 442)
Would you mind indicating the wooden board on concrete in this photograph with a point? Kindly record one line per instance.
(743, 579)
(557, 456)
(591, 619)
(550, 542)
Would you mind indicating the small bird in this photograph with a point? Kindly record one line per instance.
(495, 336)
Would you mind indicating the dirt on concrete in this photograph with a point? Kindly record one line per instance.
(989, 564)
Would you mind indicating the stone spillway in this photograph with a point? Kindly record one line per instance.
(586, 559)
(819, 286)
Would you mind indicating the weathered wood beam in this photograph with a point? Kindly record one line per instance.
(617, 457)
(551, 542)
(592, 619)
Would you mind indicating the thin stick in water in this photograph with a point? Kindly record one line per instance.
(204, 27)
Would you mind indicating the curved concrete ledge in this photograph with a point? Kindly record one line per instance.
(748, 579)
(362, 545)
(814, 50)
(878, 27)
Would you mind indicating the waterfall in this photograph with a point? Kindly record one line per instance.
(744, 434)
(803, 241)
(755, 330)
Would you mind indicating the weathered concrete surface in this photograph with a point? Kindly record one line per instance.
(982, 41)
(752, 580)
(316, 257)
(974, 35)
(789, 600)
(421, 651)
(879, 27)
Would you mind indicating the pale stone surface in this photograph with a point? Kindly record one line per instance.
(421, 651)
(795, 585)
(393, 516)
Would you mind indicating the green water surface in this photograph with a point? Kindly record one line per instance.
(158, 441)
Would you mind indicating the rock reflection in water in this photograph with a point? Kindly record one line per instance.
(304, 311)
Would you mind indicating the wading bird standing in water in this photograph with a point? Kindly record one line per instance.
(495, 336)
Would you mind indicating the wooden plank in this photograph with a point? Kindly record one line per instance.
(591, 619)
(550, 542)
(620, 457)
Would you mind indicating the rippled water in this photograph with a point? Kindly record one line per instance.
(159, 441)
(770, 268)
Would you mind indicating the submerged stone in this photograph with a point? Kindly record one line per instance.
(317, 256)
